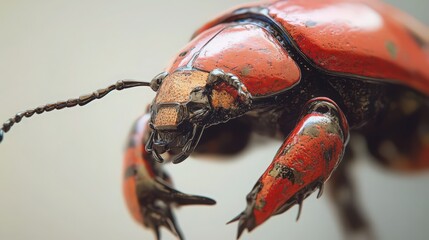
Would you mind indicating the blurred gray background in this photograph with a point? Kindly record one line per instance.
(60, 173)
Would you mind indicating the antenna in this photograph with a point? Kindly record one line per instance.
(81, 101)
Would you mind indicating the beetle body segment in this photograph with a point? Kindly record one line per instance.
(175, 89)
(309, 72)
(359, 38)
(146, 189)
(257, 67)
(230, 47)
(133, 162)
(355, 37)
(303, 163)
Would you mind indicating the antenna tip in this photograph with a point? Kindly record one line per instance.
(1, 135)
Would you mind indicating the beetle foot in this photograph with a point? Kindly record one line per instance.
(246, 219)
(165, 192)
(160, 215)
(156, 207)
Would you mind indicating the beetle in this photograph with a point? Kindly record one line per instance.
(225, 97)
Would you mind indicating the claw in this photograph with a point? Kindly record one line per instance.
(246, 220)
(185, 199)
(157, 207)
(157, 156)
(171, 195)
(235, 219)
(299, 201)
(171, 225)
(157, 234)
(161, 216)
(241, 227)
(319, 194)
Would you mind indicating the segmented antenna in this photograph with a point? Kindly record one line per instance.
(82, 100)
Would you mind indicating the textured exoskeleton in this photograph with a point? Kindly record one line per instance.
(295, 71)
(308, 72)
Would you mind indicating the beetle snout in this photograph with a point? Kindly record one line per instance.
(178, 142)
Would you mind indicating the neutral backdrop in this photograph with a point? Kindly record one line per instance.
(60, 173)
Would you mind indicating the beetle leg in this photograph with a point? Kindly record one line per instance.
(303, 163)
(343, 194)
(406, 147)
(147, 190)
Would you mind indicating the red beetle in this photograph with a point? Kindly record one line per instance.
(309, 72)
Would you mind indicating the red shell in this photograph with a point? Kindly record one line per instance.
(246, 50)
(362, 38)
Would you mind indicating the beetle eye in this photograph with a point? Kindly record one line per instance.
(195, 107)
(197, 111)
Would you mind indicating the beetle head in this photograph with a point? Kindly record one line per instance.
(187, 102)
(179, 113)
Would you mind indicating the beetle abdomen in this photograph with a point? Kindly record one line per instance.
(359, 38)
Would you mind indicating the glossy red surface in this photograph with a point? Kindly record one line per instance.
(308, 156)
(247, 51)
(129, 187)
(133, 159)
(358, 37)
(185, 55)
(222, 16)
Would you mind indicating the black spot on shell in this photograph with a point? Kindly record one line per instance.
(327, 155)
(285, 172)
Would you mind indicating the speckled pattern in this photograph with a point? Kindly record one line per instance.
(222, 99)
(166, 116)
(177, 86)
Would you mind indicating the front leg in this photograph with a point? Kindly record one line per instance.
(146, 186)
(303, 163)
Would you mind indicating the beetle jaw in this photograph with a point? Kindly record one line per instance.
(177, 143)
